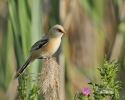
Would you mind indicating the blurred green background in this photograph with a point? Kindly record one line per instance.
(94, 28)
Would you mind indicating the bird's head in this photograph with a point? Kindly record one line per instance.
(56, 31)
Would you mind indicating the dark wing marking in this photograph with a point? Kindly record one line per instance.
(39, 44)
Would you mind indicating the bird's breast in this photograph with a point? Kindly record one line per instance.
(50, 48)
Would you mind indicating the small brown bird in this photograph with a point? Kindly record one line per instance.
(45, 47)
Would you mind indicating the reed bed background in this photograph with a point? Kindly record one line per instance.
(94, 28)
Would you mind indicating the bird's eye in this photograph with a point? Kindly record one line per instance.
(59, 30)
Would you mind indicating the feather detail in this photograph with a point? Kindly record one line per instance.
(39, 44)
(21, 70)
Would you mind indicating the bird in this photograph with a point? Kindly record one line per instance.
(45, 47)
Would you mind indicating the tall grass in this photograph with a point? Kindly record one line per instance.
(24, 28)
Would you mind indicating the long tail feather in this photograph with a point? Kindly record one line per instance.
(21, 70)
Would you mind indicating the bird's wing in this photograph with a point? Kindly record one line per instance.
(39, 44)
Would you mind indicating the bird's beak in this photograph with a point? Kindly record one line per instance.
(64, 32)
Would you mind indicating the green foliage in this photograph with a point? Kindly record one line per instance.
(34, 92)
(22, 88)
(80, 96)
(25, 93)
(109, 88)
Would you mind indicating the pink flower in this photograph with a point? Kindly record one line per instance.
(85, 91)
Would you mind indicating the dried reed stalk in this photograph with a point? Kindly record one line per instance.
(50, 79)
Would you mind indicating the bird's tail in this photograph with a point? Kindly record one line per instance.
(21, 70)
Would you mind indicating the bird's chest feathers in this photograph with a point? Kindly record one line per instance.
(52, 46)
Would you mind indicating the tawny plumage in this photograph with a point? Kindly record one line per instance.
(45, 47)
